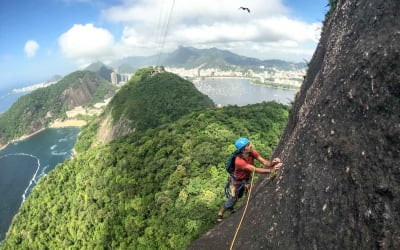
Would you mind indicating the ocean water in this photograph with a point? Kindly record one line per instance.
(7, 98)
(241, 92)
(23, 163)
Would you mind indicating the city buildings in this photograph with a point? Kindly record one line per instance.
(266, 76)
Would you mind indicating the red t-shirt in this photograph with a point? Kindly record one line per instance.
(240, 163)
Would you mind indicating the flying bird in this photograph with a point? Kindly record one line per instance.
(244, 8)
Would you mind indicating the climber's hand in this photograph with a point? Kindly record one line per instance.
(277, 166)
(276, 160)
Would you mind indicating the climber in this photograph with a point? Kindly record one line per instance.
(240, 180)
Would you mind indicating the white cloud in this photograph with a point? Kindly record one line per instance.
(87, 43)
(31, 47)
(149, 26)
(210, 23)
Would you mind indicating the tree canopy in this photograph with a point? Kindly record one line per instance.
(155, 189)
(160, 186)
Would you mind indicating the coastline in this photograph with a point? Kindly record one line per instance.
(252, 80)
(3, 146)
(55, 124)
(67, 123)
(21, 138)
(42, 153)
(199, 78)
(286, 87)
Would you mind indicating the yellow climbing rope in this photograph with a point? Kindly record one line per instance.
(244, 212)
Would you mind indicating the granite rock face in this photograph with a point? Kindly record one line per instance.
(340, 185)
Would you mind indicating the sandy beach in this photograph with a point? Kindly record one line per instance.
(3, 146)
(20, 139)
(68, 123)
(55, 124)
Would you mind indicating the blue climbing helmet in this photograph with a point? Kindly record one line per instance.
(241, 143)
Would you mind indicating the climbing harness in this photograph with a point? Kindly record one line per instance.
(239, 187)
(244, 212)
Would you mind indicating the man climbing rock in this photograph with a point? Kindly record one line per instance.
(240, 180)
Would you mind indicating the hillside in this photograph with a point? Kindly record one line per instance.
(340, 185)
(151, 98)
(100, 69)
(158, 187)
(37, 109)
(189, 57)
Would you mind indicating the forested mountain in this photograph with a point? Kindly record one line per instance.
(155, 97)
(101, 69)
(158, 187)
(189, 57)
(37, 109)
(151, 98)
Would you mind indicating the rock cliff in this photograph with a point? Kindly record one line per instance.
(340, 185)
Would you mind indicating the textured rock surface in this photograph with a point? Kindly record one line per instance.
(340, 185)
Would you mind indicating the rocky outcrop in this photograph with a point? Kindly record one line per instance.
(108, 131)
(340, 185)
(82, 92)
(74, 97)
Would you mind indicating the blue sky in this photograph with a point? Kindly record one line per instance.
(42, 38)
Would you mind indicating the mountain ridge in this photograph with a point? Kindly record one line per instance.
(149, 99)
(36, 110)
(190, 57)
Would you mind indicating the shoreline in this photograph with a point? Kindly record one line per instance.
(55, 124)
(23, 137)
(3, 146)
(67, 123)
(252, 81)
(199, 78)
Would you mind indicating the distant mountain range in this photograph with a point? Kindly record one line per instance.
(189, 57)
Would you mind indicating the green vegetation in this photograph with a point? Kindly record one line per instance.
(42, 106)
(155, 189)
(332, 5)
(151, 99)
(86, 137)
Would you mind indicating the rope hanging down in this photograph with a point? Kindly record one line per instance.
(165, 32)
(244, 212)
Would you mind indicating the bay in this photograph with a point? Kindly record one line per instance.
(23, 163)
(241, 92)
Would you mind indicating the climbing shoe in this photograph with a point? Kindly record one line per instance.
(219, 217)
